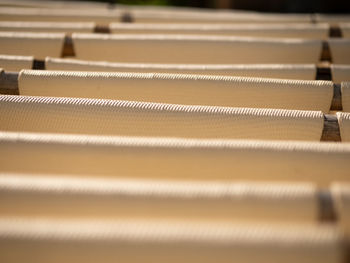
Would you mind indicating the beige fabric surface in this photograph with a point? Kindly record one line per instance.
(281, 71)
(341, 196)
(74, 197)
(345, 95)
(344, 125)
(54, 4)
(151, 16)
(180, 89)
(143, 48)
(332, 19)
(42, 240)
(340, 73)
(345, 29)
(108, 117)
(59, 15)
(38, 45)
(174, 158)
(340, 50)
(64, 27)
(16, 63)
(308, 31)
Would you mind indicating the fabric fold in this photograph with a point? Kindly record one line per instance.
(340, 50)
(153, 241)
(180, 89)
(290, 30)
(340, 73)
(345, 96)
(344, 125)
(345, 29)
(141, 48)
(75, 197)
(16, 63)
(101, 17)
(341, 197)
(63, 27)
(38, 45)
(153, 16)
(131, 118)
(280, 71)
(174, 158)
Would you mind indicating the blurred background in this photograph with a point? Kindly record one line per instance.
(285, 6)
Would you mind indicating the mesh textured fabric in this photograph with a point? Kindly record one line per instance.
(109, 117)
(345, 93)
(59, 15)
(33, 196)
(54, 5)
(64, 27)
(308, 31)
(126, 241)
(281, 71)
(16, 63)
(152, 16)
(340, 73)
(345, 29)
(172, 135)
(174, 158)
(142, 48)
(38, 45)
(344, 125)
(341, 196)
(333, 20)
(340, 50)
(180, 89)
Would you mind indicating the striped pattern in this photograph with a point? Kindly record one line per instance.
(180, 89)
(280, 71)
(194, 49)
(184, 135)
(109, 117)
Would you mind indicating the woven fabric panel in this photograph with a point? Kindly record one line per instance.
(345, 29)
(63, 27)
(16, 63)
(344, 125)
(194, 49)
(340, 50)
(177, 159)
(55, 4)
(152, 16)
(38, 45)
(345, 93)
(281, 71)
(108, 117)
(341, 196)
(340, 73)
(38, 241)
(333, 20)
(308, 31)
(59, 15)
(47, 196)
(180, 89)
